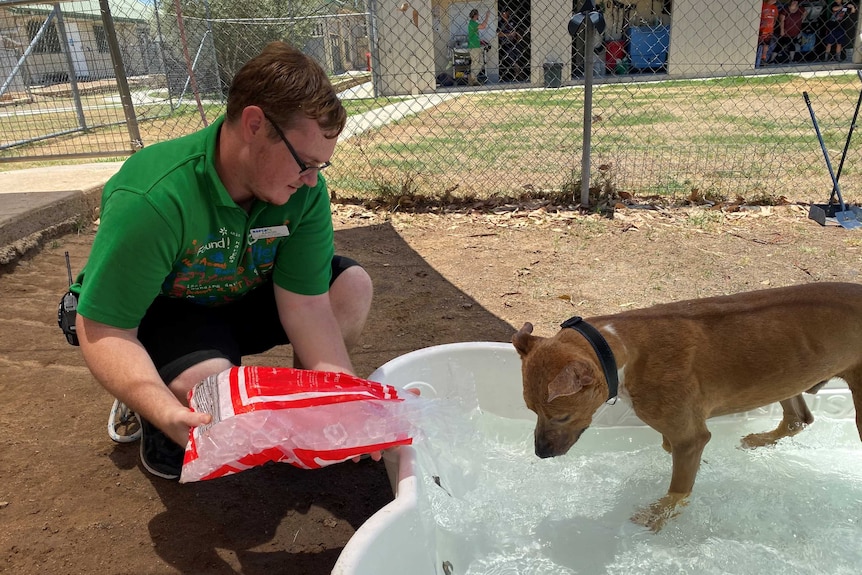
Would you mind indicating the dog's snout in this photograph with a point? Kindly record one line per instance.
(544, 455)
(544, 450)
(552, 445)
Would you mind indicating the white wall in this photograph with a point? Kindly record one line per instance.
(713, 38)
(550, 35)
(405, 48)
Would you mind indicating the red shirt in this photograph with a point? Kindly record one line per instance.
(768, 17)
(793, 22)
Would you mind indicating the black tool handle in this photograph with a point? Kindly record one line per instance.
(835, 188)
(849, 135)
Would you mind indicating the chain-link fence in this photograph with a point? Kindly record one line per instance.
(679, 98)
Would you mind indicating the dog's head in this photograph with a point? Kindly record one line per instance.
(563, 384)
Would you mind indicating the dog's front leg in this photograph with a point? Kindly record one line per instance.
(686, 461)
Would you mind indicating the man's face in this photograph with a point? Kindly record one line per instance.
(277, 173)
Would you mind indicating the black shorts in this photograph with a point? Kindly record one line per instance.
(179, 334)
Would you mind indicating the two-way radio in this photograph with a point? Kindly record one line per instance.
(67, 311)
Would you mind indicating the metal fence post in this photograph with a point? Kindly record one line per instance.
(371, 26)
(189, 66)
(593, 21)
(73, 76)
(120, 74)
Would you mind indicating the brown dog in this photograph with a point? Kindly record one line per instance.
(682, 363)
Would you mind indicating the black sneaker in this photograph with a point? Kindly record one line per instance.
(159, 454)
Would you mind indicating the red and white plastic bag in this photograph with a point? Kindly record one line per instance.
(309, 419)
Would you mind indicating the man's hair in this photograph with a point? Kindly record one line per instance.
(286, 83)
(473, 13)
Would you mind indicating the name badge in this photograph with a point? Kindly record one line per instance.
(269, 232)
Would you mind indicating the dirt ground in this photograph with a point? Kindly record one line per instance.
(72, 501)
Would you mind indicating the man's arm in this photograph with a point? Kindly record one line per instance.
(122, 366)
(484, 22)
(313, 331)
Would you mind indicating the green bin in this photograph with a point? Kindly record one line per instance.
(553, 74)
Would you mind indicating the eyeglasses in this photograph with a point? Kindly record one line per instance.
(303, 167)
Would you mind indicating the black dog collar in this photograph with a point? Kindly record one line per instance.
(602, 349)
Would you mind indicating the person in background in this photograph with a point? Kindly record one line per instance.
(218, 245)
(474, 45)
(790, 21)
(836, 34)
(510, 53)
(766, 36)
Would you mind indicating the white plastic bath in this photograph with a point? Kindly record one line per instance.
(394, 541)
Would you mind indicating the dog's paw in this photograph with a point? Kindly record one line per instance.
(655, 516)
(765, 439)
(652, 520)
(785, 429)
(755, 440)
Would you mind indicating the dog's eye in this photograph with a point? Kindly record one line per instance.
(562, 420)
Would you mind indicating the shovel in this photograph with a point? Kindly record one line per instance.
(846, 217)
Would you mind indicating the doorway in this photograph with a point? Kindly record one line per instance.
(76, 50)
(514, 53)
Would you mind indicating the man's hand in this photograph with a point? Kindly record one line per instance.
(181, 420)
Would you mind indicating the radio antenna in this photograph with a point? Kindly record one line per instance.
(69, 268)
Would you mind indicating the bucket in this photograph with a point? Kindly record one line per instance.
(553, 74)
(614, 52)
(623, 67)
(485, 377)
(598, 67)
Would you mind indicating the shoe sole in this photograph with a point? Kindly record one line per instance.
(123, 425)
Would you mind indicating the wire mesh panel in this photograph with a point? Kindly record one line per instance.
(470, 99)
(689, 99)
(60, 80)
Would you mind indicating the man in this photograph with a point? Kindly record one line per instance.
(218, 245)
(790, 21)
(474, 45)
(510, 54)
(836, 34)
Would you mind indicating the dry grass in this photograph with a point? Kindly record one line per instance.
(725, 141)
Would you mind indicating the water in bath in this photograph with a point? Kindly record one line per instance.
(498, 509)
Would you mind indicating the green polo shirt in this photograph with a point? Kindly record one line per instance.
(168, 227)
(473, 40)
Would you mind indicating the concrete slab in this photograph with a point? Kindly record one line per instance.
(80, 177)
(37, 204)
(23, 214)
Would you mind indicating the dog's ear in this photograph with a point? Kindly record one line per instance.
(523, 341)
(571, 379)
